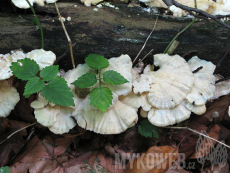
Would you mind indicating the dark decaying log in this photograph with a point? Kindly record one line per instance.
(110, 32)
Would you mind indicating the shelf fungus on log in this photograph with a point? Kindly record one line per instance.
(119, 116)
(57, 118)
(9, 97)
(43, 58)
(170, 94)
(24, 5)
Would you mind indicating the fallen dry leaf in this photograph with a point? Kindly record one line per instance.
(4, 123)
(220, 106)
(11, 146)
(155, 160)
(61, 144)
(206, 144)
(218, 168)
(38, 157)
(175, 168)
(97, 161)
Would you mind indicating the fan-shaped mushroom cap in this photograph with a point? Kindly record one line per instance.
(221, 88)
(146, 106)
(71, 75)
(5, 62)
(204, 81)
(23, 4)
(9, 97)
(165, 117)
(170, 84)
(132, 100)
(199, 110)
(122, 65)
(116, 120)
(42, 57)
(144, 113)
(41, 102)
(56, 118)
(89, 2)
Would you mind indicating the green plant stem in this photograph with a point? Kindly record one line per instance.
(195, 3)
(178, 35)
(38, 23)
(99, 71)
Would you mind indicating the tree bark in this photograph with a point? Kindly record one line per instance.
(110, 32)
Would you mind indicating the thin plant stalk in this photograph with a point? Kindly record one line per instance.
(166, 50)
(187, 128)
(146, 40)
(37, 22)
(17, 132)
(179, 34)
(68, 38)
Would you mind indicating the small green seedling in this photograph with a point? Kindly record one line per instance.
(100, 97)
(53, 87)
(4, 169)
(147, 130)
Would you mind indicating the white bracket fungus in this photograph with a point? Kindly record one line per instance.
(114, 121)
(170, 94)
(56, 118)
(169, 85)
(89, 2)
(119, 116)
(221, 88)
(24, 5)
(209, 6)
(204, 81)
(9, 97)
(42, 57)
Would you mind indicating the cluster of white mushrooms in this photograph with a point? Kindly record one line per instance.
(9, 96)
(166, 96)
(218, 7)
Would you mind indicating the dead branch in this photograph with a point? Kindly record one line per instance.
(193, 11)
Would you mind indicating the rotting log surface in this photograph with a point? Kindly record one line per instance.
(110, 32)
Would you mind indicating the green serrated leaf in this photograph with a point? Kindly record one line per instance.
(96, 61)
(27, 95)
(25, 69)
(101, 98)
(33, 85)
(147, 130)
(50, 72)
(86, 80)
(4, 169)
(114, 78)
(58, 92)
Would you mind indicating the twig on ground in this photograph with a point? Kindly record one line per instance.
(187, 128)
(68, 38)
(64, 54)
(202, 14)
(221, 80)
(189, 53)
(146, 55)
(146, 40)
(198, 69)
(17, 132)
